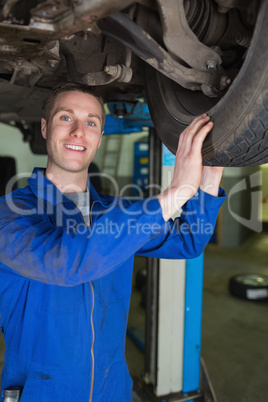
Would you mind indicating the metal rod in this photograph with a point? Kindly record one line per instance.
(151, 324)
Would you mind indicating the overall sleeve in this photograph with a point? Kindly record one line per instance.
(34, 247)
(188, 234)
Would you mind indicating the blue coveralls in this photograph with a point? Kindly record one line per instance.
(65, 288)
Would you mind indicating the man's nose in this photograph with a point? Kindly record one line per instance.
(77, 129)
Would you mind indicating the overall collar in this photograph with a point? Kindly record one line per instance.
(46, 190)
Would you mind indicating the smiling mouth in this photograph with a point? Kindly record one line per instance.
(75, 147)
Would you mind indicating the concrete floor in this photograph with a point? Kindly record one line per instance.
(235, 331)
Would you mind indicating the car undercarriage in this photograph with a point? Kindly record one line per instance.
(182, 57)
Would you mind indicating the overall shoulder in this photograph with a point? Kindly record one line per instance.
(19, 200)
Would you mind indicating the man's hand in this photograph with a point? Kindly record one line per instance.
(189, 173)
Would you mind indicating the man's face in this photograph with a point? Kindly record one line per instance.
(73, 133)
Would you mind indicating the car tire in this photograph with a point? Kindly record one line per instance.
(249, 286)
(240, 116)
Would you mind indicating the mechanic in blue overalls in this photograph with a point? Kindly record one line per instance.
(66, 255)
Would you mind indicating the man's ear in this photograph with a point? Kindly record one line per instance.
(100, 139)
(44, 128)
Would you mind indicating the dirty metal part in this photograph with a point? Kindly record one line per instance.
(225, 5)
(23, 68)
(14, 75)
(51, 17)
(204, 19)
(120, 27)
(243, 39)
(57, 19)
(210, 91)
(89, 31)
(50, 11)
(120, 72)
(29, 65)
(110, 74)
(95, 9)
(236, 32)
(54, 16)
(7, 7)
(211, 65)
(104, 78)
(180, 39)
(225, 82)
(149, 4)
(213, 92)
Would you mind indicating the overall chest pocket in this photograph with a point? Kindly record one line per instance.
(52, 299)
(115, 286)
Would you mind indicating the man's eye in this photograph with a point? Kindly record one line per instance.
(65, 118)
(91, 123)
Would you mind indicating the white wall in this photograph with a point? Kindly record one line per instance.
(11, 144)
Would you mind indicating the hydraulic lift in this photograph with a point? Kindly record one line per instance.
(174, 370)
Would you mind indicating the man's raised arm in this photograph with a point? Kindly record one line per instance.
(189, 174)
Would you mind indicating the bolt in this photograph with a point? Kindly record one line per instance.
(211, 65)
(225, 81)
(53, 63)
(111, 70)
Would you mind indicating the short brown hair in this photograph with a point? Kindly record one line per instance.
(75, 87)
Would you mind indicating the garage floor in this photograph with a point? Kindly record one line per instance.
(235, 332)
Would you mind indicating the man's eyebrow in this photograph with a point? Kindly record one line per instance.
(64, 109)
(94, 115)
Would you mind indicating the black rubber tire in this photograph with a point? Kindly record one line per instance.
(249, 286)
(240, 133)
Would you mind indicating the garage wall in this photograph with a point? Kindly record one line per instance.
(264, 207)
(238, 206)
(11, 144)
(124, 174)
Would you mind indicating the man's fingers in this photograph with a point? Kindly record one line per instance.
(190, 131)
(200, 137)
(192, 138)
(186, 138)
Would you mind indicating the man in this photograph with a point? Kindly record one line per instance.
(66, 255)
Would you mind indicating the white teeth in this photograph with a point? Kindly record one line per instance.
(75, 147)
